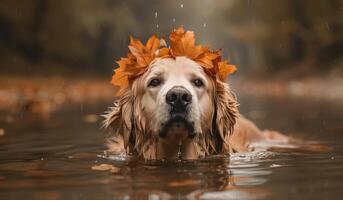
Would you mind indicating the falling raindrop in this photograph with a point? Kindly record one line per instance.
(174, 20)
(157, 26)
(181, 5)
(155, 15)
(327, 26)
(204, 25)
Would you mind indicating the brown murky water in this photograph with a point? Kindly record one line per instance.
(52, 159)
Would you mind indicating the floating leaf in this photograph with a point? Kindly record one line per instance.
(105, 167)
(184, 183)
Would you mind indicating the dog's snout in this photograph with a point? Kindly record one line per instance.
(178, 97)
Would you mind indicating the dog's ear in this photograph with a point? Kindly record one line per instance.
(118, 120)
(226, 112)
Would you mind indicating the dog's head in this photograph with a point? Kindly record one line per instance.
(177, 98)
(174, 102)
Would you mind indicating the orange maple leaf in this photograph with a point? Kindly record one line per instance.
(224, 69)
(182, 43)
(136, 62)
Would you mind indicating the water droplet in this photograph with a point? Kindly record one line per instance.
(204, 24)
(327, 26)
(155, 15)
(174, 20)
(181, 5)
(157, 25)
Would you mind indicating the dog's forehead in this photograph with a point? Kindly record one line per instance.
(178, 66)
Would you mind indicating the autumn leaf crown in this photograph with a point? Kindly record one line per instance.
(182, 43)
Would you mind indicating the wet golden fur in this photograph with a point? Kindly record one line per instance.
(223, 129)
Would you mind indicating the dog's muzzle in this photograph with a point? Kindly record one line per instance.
(179, 99)
(175, 123)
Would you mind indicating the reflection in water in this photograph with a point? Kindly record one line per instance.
(211, 178)
(54, 160)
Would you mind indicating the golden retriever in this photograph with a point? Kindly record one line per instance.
(175, 109)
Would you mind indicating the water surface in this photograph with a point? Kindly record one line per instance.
(51, 158)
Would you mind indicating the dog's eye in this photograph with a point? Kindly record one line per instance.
(154, 82)
(198, 82)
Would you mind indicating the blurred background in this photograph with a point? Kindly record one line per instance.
(286, 47)
(45, 37)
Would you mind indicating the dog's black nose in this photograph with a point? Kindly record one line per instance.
(179, 97)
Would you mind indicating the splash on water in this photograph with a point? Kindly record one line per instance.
(250, 156)
(114, 157)
(235, 157)
(232, 194)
